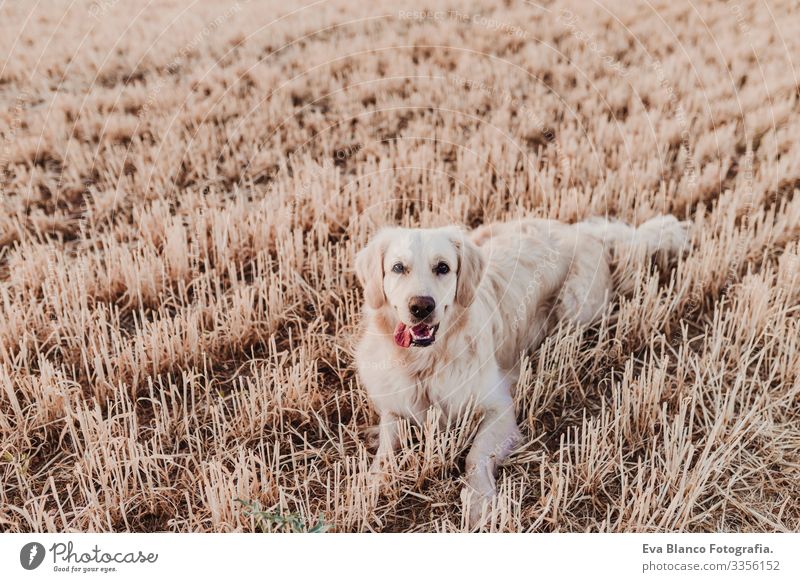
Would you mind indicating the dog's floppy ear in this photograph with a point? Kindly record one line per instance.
(471, 264)
(369, 269)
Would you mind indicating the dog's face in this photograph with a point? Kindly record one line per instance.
(419, 274)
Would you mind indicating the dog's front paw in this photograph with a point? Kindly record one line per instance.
(378, 476)
(476, 499)
(372, 437)
(478, 492)
(476, 508)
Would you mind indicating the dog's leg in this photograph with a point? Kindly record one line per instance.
(587, 288)
(664, 234)
(497, 436)
(388, 439)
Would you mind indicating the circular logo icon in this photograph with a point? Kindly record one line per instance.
(31, 555)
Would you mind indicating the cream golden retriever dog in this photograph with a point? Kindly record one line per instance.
(448, 314)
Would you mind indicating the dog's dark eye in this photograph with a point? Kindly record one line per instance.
(398, 268)
(441, 269)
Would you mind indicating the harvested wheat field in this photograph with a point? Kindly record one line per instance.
(185, 186)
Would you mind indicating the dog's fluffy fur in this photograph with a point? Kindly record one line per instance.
(496, 292)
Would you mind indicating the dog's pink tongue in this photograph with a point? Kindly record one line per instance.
(402, 335)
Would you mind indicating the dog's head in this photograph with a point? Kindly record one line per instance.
(420, 275)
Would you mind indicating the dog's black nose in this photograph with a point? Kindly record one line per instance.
(421, 307)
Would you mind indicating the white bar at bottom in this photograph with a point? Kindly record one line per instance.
(388, 557)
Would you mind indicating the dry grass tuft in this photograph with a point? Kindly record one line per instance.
(183, 191)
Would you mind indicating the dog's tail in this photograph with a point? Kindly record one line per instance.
(662, 236)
